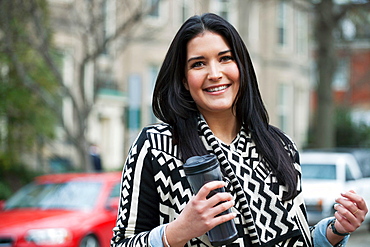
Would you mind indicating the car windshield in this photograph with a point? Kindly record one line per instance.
(76, 195)
(319, 171)
(363, 159)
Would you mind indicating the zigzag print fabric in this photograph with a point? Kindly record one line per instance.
(269, 220)
(155, 190)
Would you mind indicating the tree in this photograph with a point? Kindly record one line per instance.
(25, 121)
(84, 22)
(328, 17)
(327, 23)
(348, 133)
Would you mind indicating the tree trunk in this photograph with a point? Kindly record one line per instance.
(83, 155)
(324, 134)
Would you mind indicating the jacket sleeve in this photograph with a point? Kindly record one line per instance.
(319, 235)
(138, 211)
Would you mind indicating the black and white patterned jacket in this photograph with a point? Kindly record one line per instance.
(155, 190)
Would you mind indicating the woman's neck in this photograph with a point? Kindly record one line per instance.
(224, 127)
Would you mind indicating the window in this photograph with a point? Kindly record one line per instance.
(282, 22)
(68, 78)
(349, 175)
(363, 159)
(301, 29)
(222, 8)
(78, 195)
(285, 98)
(134, 99)
(341, 75)
(115, 191)
(153, 72)
(153, 6)
(157, 12)
(187, 9)
(184, 12)
(109, 18)
(319, 171)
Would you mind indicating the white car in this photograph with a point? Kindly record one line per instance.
(325, 174)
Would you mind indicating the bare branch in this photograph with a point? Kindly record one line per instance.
(44, 49)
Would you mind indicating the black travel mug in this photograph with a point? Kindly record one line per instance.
(203, 169)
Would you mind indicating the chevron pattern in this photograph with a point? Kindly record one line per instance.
(155, 190)
(268, 219)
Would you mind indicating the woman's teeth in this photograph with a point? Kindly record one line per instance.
(215, 89)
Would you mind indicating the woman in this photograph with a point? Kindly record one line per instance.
(208, 98)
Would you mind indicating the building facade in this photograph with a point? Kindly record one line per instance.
(276, 34)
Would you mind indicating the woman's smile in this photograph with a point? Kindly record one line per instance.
(216, 89)
(212, 75)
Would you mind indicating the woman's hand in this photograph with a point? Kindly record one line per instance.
(350, 213)
(199, 215)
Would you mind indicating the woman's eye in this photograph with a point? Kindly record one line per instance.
(226, 58)
(197, 64)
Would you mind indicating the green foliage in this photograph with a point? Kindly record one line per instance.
(24, 116)
(5, 191)
(348, 133)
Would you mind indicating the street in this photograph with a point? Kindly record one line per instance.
(360, 238)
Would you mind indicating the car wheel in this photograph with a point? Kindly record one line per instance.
(89, 241)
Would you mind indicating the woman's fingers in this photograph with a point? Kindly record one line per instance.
(351, 211)
(202, 212)
(216, 202)
(355, 205)
(222, 218)
(347, 221)
(208, 188)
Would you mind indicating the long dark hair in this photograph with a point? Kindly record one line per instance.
(173, 104)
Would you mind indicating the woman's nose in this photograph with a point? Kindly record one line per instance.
(214, 73)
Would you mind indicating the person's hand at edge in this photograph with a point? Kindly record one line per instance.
(350, 212)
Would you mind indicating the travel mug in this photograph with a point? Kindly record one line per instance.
(203, 169)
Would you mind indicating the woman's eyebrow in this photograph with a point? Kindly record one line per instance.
(195, 58)
(223, 52)
(202, 57)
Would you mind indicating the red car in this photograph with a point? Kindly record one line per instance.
(62, 210)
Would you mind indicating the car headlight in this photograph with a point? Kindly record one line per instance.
(48, 236)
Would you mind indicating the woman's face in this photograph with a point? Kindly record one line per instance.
(212, 75)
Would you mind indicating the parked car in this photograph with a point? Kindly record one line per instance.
(325, 174)
(62, 210)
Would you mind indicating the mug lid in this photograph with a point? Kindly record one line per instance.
(200, 164)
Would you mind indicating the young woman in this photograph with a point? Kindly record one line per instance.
(207, 96)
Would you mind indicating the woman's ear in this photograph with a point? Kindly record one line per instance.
(185, 82)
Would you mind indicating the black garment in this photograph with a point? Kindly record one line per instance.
(96, 161)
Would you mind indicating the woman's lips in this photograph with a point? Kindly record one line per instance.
(216, 89)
